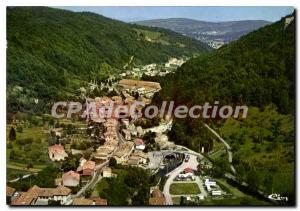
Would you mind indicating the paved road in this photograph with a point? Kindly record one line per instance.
(192, 163)
(226, 145)
(96, 178)
(20, 178)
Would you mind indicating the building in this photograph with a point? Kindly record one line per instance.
(9, 194)
(41, 196)
(89, 202)
(216, 193)
(106, 172)
(70, 179)
(99, 201)
(104, 152)
(143, 87)
(123, 152)
(157, 197)
(138, 157)
(82, 202)
(23, 200)
(57, 132)
(127, 135)
(139, 144)
(187, 173)
(88, 168)
(57, 152)
(209, 184)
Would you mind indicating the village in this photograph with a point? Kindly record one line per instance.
(122, 141)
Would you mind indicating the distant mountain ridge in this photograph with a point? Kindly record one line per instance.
(209, 32)
(258, 69)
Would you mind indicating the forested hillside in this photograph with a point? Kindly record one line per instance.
(51, 51)
(256, 70)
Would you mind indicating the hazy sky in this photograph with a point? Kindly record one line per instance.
(199, 13)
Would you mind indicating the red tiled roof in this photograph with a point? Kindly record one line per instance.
(23, 199)
(10, 191)
(89, 165)
(157, 201)
(56, 148)
(71, 175)
(138, 142)
(188, 170)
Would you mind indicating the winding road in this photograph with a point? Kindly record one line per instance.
(226, 145)
(192, 163)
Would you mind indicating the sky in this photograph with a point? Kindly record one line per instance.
(214, 14)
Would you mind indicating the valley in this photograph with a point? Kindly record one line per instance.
(128, 159)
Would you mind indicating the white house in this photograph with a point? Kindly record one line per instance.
(106, 172)
(71, 179)
(139, 144)
(57, 152)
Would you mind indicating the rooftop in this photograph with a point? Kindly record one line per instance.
(71, 175)
(147, 85)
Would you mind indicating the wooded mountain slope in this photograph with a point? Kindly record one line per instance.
(258, 69)
(50, 49)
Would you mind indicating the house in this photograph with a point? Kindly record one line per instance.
(106, 172)
(139, 144)
(127, 135)
(139, 156)
(187, 173)
(82, 202)
(89, 201)
(88, 168)
(57, 132)
(209, 184)
(99, 201)
(123, 152)
(117, 100)
(23, 200)
(216, 193)
(157, 198)
(141, 86)
(57, 152)
(125, 122)
(104, 152)
(71, 179)
(9, 194)
(37, 196)
(133, 161)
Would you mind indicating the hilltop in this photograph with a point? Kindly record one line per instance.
(213, 33)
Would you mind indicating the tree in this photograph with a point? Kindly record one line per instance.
(29, 166)
(112, 162)
(253, 179)
(12, 134)
(182, 201)
(20, 128)
(12, 155)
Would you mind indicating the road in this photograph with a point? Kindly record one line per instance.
(96, 178)
(192, 163)
(226, 145)
(20, 178)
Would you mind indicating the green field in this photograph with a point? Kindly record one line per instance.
(184, 188)
(30, 147)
